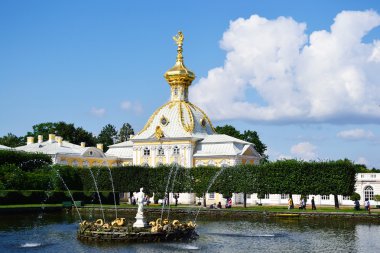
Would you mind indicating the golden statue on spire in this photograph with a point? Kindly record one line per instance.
(178, 39)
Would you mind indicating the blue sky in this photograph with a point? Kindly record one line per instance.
(276, 67)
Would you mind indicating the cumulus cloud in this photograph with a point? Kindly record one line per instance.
(98, 112)
(356, 134)
(135, 107)
(304, 151)
(275, 72)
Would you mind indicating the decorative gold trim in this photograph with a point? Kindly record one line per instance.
(204, 114)
(151, 118)
(187, 127)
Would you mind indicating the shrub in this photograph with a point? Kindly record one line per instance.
(355, 196)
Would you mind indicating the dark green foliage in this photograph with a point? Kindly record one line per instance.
(25, 161)
(67, 131)
(355, 196)
(11, 140)
(125, 131)
(287, 176)
(107, 136)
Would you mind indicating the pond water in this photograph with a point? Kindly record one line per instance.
(57, 233)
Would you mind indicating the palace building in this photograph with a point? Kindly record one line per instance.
(180, 132)
(66, 153)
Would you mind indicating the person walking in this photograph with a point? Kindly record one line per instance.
(367, 205)
(290, 203)
(313, 207)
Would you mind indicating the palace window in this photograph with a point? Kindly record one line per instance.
(161, 151)
(346, 198)
(75, 163)
(211, 195)
(368, 193)
(146, 151)
(176, 150)
(284, 196)
(85, 164)
(267, 196)
(325, 197)
(175, 91)
(145, 164)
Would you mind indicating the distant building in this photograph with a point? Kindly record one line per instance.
(66, 153)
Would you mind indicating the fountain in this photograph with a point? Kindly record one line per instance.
(122, 231)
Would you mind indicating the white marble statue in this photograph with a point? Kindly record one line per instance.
(140, 200)
(140, 219)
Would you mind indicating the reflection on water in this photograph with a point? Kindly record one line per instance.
(57, 233)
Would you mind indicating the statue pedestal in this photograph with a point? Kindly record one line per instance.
(140, 221)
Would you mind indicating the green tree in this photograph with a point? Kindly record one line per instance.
(253, 137)
(107, 136)
(67, 131)
(229, 130)
(12, 140)
(125, 131)
(82, 135)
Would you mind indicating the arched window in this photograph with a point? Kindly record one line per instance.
(368, 192)
(161, 151)
(146, 151)
(85, 164)
(176, 150)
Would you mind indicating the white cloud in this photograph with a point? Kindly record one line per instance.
(362, 160)
(304, 151)
(135, 107)
(329, 76)
(98, 112)
(356, 134)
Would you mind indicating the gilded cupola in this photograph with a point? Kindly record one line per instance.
(178, 118)
(179, 77)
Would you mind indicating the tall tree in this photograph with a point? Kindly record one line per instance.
(107, 136)
(67, 131)
(253, 137)
(125, 131)
(12, 140)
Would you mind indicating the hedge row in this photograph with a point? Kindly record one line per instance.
(55, 197)
(24, 160)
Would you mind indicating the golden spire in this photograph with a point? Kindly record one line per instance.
(179, 41)
(179, 77)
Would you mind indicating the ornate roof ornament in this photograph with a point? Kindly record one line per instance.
(179, 76)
